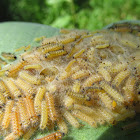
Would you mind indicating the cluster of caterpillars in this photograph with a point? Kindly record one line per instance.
(79, 75)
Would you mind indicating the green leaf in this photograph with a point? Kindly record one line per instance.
(16, 34)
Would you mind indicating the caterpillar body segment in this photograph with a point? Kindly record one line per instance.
(13, 88)
(24, 117)
(30, 78)
(8, 56)
(53, 136)
(44, 115)
(7, 113)
(120, 77)
(4, 90)
(62, 126)
(51, 106)
(112, 92)
(30, 110)
(38, 99)
(12, 71)
(16, 127)
(92, 79)
(27, 89)
(68, 116)
(78, 114)
(51, 55)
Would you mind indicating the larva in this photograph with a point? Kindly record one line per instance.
(65, 74)
(114, 114)
(50, 124)
(11, 136)
(83, 63)
(54, 54)
(82, 116)
(68, 102)
(84, 109)
(78, 96)
(99, 42)
(68, 116)
(30, 110)
(2, 100)
(79, 53)
(96, 37)
(66, 40)
(106, 75)
(31, 58)
(129, 89)
(50, 48)
(53, 136)
(38, 99)
(52, 40)
(73, 50)
(76, 86)
(27, 48)
(102, 46)
(24, 118)
(33, 66)
(105, 64)
(27, 135)
(112, 92)
(92, 112)
(13, 88)
(93, 89)
(2, 61)
(117, 49)
(108, 102)
(91, 54)
(87, 36)
(4, 90)
(80, 74)
(62, 126)
(44, 115)
(19, 49)
(118, 67)
(38, 39)
(128, 43)
(16, 127)
(92, 79)
(25, 87)
(68, 67)
(29, 78)
(108, 117)
(127, 114)
(12, 71)
(130, 126)
(8, 56)
(120, 77)
(51, 106)
(7, 113)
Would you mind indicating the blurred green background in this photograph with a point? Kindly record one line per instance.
(81, 14)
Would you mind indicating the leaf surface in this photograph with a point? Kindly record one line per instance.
(16, 34)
